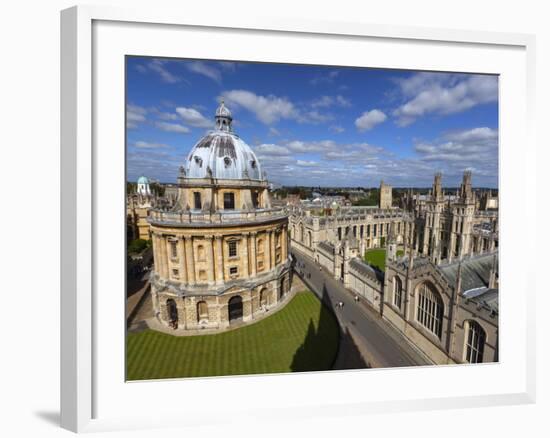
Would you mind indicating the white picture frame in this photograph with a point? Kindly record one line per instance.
(93, 397)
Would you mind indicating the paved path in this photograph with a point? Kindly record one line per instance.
(135, 301)
(379, 343)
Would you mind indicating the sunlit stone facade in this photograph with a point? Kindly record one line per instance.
(221, 255)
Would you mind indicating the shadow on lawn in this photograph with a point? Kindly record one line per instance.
(316, 342)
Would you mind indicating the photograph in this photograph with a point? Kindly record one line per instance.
(293, 218)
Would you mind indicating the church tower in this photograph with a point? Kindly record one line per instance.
(435, 206)
(385, 195)
(462, 214)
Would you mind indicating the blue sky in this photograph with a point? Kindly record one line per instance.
(317, 125)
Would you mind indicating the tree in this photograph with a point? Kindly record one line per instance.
(138, 245)
(370, 201)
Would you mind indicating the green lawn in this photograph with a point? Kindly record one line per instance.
(303, 336)
(377, 257)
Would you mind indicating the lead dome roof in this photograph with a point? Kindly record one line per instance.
(223, 152)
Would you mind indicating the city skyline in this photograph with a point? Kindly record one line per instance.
(317, 125)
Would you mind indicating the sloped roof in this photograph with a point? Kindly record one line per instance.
(475, 271)
(484, 296)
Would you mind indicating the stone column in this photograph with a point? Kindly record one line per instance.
(284, 244)
(163, 256)
(245, 254)
(267, 251)
(219, 260)
(272, 249)
(190, 259)
(156, 252)
(451, 248)
(155, 300)
(209, 259)
(183, 265)
(253, 261)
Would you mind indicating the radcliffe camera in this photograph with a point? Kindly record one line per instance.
(291, 218)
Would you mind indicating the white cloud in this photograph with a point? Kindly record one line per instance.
(476, 147)
(159, 67)
(314, 117)
(336, 128)
(329, 101)
(369, 119)
(274, 132)
(135, 115)
(437, 93)
(192, 117)
(327, 78)
(267, 109)
(323, 102)
(167, 116)
(342, 101)
(305, 163)
(272, 149)
(298, 146)
(172, 127)
(147, 145)
(228, 65)
(483, 134)
(205, 69)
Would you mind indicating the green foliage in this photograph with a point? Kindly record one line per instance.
(138, 245)
(369, 201)
(303, 336)
(304, 192)
(157, 189)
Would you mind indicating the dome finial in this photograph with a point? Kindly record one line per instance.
(223, 118)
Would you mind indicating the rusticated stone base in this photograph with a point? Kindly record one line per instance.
(209, 310)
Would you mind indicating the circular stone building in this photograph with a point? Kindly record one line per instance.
(221, 255)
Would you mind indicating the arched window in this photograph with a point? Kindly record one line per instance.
(172, 313)
(474, 342)
(397, 292)
(202, 311)
(429, 309)
(309, 239)
(260, 246)
(235, 308)
(263, 298)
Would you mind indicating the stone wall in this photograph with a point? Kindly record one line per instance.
(257, 302)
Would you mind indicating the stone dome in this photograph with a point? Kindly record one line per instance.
(222, 154)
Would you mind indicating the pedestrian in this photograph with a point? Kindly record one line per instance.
(356, 298)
